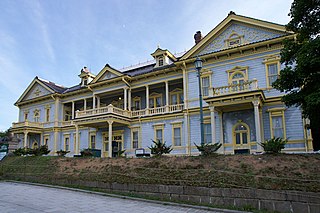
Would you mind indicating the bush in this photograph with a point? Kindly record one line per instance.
(120, 153)
(158, 149)
(274, 145)
(42, 150)
(208, 149)
(62, 153)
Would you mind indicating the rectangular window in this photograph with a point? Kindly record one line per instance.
(66, 144)
(177, 136)
(47, 115)
(25, 116)
(159, 135)
(135, 139)
(205, 81)
(272, 73)
(277, 127)
(92, 141)
(207, 133)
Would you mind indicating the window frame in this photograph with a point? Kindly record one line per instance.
(137, 130)
(247, 131)
(36, 115)
(154, 96)
(179, 93)
(207, 121)
(134, 100)
(270, 60)
(47, 113)
(176, 126)
(277, 112)
(66, 138)
(92, 134)
(238, 69)
(158, 127)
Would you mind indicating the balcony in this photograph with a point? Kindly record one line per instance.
(110, 109)
(27, 124)
(235, 88)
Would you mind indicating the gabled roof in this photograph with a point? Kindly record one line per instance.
(107, 68)
(47, 85)
(166, 52)
(232, 17)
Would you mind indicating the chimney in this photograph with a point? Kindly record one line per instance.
(197, 37)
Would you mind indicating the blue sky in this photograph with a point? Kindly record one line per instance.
(54, 39)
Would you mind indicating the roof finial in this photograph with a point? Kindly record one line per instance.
(231, 13)
(158, 46)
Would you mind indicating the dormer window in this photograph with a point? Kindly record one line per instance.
(85, 82)
(160, 61)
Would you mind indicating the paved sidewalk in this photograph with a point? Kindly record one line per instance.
(19, 197)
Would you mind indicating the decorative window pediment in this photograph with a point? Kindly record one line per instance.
(238, 74)
(234, 40)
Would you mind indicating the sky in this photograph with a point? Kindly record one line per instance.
(54, 39)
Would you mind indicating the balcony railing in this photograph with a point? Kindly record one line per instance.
(235, 88)
(136, 113)
(27, 124)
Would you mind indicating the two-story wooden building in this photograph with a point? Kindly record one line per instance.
(158, 100)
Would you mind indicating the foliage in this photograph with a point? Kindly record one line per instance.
(5, 133)
(274, 145)
(62, 153)
(86, 153)
(208, 149)
(159, 148)
(120, 153)
(301, 76)
(42, 150)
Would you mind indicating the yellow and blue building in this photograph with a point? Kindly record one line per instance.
(159, 100)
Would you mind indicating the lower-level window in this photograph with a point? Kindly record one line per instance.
(177, 136)
(92, 141)
(135, 139)
(66, 144)
(207, 133)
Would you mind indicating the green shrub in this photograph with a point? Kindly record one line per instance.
(120, 153)
(159, 148)
(62, 153)
(42, 150)
(274, 145)
(208, 149)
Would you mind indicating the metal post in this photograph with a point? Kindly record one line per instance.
(201, 109)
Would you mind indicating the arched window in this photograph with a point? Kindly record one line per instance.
(36, 115)
(241, 134)
(238, 79)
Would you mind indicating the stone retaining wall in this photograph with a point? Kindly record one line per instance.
(281, 201)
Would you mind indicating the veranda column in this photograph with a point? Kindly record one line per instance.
(110, 139)
(185, 98)
(25, 144)
(72, 110)
(41, 139)
(84, 104)
(93, 101)
(221, 150)
(98, 101)
(77, 140)
(167, 95)
(125, 98)
(186, 133)
(129, 99)
(147, 99)
(213, 125)
(257, 124)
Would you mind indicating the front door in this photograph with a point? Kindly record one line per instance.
(241, 138)
(117, 143)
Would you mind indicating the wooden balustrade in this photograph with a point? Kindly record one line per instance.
(235, 88)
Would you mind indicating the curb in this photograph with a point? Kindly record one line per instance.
(129, 198)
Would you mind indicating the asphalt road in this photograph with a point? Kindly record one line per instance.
(25, 198)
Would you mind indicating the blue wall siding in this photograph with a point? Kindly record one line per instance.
(294, 124)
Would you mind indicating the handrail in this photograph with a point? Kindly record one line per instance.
(235, 88)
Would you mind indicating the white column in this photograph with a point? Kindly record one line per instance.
(185, 98)
(41, 139)
(147, 99)
(77, 141)
(257, 124)
(125, 98)
(129, 99)
(25, 144)
(186, 133)
(98, 101)
(72, 110)
(110, 139)
(94, 101)
(221, 150)
(167, 95)
(213, 125)
(84, 104)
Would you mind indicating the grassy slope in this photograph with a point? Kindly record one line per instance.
(294, 172)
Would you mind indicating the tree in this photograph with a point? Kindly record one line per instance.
(300, 78)
(159, 148)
